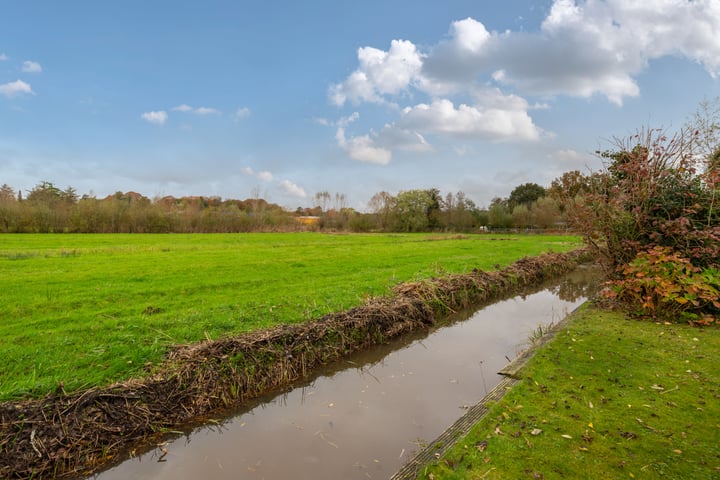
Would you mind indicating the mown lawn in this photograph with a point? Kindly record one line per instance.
(608, 398)
(84, 310)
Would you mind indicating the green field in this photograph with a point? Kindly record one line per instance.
(608, 398)
(85, 310)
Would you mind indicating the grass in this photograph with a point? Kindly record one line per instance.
(607, 398)
(86, 310)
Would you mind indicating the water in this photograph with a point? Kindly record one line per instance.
(364, 417)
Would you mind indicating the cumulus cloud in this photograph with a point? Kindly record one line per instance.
(469, 35)
(13, 89)
(379, 73)
(156, 118)
(363, 149)
(583, 48)
(292, 189)
(31, 67)
(442, 117)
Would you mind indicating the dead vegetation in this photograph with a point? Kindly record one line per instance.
(68, 435)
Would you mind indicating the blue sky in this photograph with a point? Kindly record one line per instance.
(286, 99)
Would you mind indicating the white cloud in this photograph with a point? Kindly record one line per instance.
(183, 108)
(442, 117)
(378, 148)
(345, 121)
(157, 118)
(198, 111)
(242, 112)
(362, 148)
(3, 57)
(469, 35)
(379, 73)
(206, 111)
(583, 48)
(13, 89)
(393, 137)
(31, 67)
(262, 175)
(292, 189)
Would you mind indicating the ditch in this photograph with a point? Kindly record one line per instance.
(366, 415)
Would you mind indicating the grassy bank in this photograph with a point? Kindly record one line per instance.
(607, 398)
(85, 310)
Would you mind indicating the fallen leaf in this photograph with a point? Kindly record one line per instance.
(678, 451)
(535, 431)
(482, 445)
(566, 436)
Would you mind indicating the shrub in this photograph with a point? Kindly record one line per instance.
(661, 284)
(651, 217)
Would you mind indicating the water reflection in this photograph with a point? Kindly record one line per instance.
(365, 416)
(584, 282)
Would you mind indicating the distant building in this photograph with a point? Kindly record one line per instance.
(308, 219)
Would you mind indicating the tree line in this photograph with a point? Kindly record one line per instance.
(48, 209)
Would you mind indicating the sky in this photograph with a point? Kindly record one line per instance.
(286, 99)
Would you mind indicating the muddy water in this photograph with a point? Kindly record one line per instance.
(365, 417)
